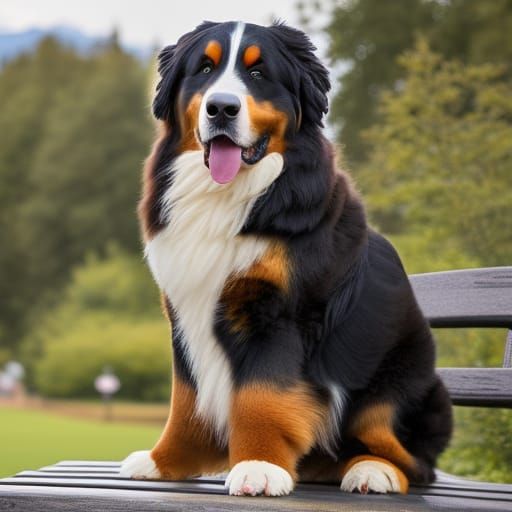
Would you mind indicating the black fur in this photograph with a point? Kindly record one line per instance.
(350, 317)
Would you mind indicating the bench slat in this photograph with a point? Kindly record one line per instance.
(23, 498)
(194, 487)
(446, 484)
(479, 387)
(305, 497)
(89, 463)
(466, 298)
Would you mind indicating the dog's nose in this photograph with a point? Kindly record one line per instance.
(221, 104)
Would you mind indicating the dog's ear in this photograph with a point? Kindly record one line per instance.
(311, 76)
(171, 65)
(168, 70)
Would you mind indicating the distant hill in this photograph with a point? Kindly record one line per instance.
(13, 43)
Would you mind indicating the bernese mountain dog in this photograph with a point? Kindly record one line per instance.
(299, 350)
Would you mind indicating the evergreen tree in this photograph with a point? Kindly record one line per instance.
(29, 88)
(369, 36)
(442, 156)
(75, 131)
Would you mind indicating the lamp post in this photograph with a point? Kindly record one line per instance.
(107, 384)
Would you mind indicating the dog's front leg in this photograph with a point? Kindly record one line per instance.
(187, 446)
(274, 415)
(272, 427)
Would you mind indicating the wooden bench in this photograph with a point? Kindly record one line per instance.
(464, 298)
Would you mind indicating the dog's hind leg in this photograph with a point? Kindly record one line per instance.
(429, 428)
(388, 465)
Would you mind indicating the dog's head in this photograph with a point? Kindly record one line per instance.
(239, 92)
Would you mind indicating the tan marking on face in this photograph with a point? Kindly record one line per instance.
(213, 51)
(251, 55)
(373, 426)
(273, 267)
(187, 445)
(402, 479)
(189, 125)
(274, 425)
(266, 119)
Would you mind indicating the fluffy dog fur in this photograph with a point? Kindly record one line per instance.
(299, 350)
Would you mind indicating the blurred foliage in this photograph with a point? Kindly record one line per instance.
(74, 133)
(134, 349)
(481, 446)
(368, 36)
(442, 152)
(108, 315)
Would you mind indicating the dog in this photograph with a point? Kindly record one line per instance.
(299, 350)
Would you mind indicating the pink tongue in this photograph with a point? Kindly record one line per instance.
(225, 159)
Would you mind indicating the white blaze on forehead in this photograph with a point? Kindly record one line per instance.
(230, 82)
(236, 39)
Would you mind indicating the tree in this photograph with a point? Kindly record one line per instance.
(369, 36)
(75, 131)
(442, 155)
(86, 170)
(29, 88)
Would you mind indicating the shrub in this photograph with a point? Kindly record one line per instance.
(109, 315)
(138, 352)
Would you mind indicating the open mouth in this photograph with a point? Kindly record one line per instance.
(224, 158)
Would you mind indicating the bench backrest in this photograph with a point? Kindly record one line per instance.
(471, 298)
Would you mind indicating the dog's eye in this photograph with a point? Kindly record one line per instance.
(206, 67)
(256, 74)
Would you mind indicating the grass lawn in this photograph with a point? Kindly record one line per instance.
(31, 439)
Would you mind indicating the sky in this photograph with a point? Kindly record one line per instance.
(146, 22)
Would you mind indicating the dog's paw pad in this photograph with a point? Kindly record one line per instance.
(139, 465)
(255, 477)
(371, 476)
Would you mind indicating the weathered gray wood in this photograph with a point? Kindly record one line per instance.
(17, 499)
(319, 498)
(87, 463)
(49, 478)
(479, 387)
(466, 298)
(507, 357)
(96, 485)
(98, 468)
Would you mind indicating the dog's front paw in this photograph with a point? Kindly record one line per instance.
(372, 476)
(253, 477)
(139, 465)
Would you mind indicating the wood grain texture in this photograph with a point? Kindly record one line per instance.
(65, 486)
(479, 387)
(466, 298)
(107, 500)
(305, 498)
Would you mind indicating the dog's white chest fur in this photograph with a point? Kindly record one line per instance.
(194, 255)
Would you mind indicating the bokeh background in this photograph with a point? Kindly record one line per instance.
(421, 111)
